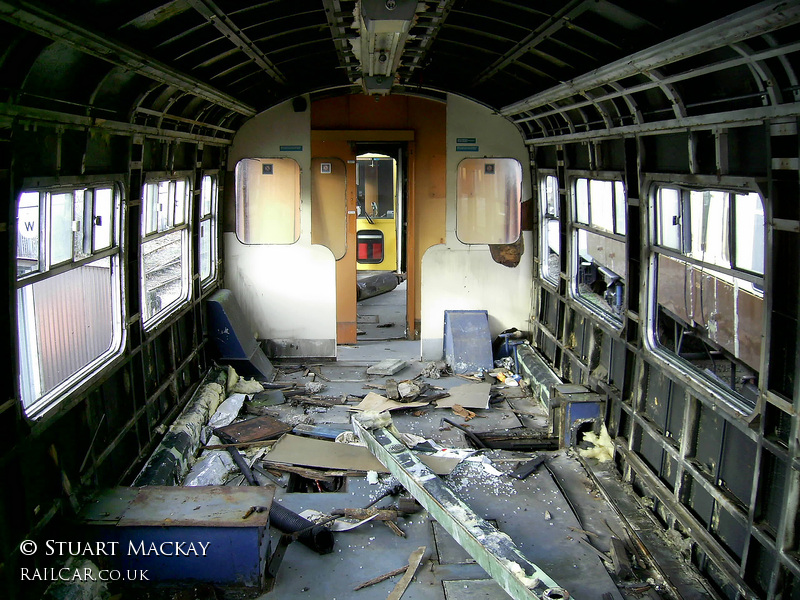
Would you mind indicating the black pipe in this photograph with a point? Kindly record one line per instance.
(316, 537)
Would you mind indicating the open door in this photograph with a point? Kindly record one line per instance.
(380, 241)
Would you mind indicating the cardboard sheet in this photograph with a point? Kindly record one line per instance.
(376, 403)
(308, 452)
(469, 395)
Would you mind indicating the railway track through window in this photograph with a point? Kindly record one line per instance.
(599, 229)
(165, 253)
(69, 287)
(708, 295)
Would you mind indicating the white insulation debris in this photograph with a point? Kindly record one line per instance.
(227, 411)
(603, 449)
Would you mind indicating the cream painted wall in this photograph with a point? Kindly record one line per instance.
(288, 291)
(456, 276)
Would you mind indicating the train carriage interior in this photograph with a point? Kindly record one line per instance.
(437, 299)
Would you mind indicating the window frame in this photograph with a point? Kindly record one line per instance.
(518, 203)
(185, 229)
(575, 226)
(545, 218)
(212, 217)
(679, 366)
(35, 404)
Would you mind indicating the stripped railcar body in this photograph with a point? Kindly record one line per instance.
(618, 181)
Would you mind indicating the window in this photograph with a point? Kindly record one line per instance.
(165, 248)
(329, 204)
(551, 228)
(267, 201)
(599, 236)
(708, 293)
(488, 192)
(209, 193)
(69, 288)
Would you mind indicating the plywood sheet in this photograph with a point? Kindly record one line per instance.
(376, 403)
(255, 429)
(469, 395)
(307, 452)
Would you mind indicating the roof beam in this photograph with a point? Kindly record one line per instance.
(217, 17)
(14, 113)
(755, 20)
(33, 18)
(734, 118)
(541, 33)
(620, 91)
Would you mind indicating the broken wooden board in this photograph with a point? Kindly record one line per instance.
(388, 366)
(308, 452)
(255, 429)
(469, 395)
(373, 402)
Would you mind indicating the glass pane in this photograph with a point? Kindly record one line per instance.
(376, 189)
(709, 228)
(329, 206)
(205, 249)
(668, 218)
(601, 272)
(208, 191)
(621, 207)
(750, 232)
(81, 239)
(65, 322)
(267, 201)
(582, 200)
(549, 191)
(151, 199)
(28, 233)
(601, 198)
(552, 264)
(163, 267)
(60, 228)
(488, 192)
(103, 218)
(181, 190)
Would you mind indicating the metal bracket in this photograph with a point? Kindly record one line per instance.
(277, 557)
(493, 550)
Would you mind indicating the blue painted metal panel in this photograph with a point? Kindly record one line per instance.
(467, 341)
(575, 404)
(185, 533)
(233, 337)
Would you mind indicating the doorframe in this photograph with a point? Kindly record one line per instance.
(412, 270)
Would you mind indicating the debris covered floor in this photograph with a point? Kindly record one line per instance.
(557, 517)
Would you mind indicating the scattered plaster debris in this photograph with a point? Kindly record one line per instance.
(314, 387)
(519, 573)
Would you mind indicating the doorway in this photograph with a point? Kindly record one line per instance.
(381, 240)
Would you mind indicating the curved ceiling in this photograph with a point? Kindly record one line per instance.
(557, 68)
